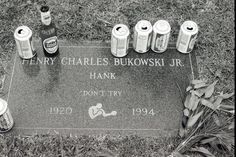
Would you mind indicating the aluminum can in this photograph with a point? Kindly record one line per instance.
(142, 36)
(187, 37)
(24, 43)
(6, 120)
(120, 40)
(161, 35)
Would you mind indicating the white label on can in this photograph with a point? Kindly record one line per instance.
(26, 49)
(32, 45)
(160, 42)
(135, 40)
(149, 41)
(192, 42)
(183, 42)
(127, 45)
(121, 47)
(142, 43)
(113, 45)
(18, 45)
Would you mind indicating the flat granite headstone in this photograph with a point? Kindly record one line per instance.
(86, 90)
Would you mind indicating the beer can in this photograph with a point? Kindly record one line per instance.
(6, 120)
(142, 36)
(120, 40)
(187, 37)
(161, 35)
(24, 43)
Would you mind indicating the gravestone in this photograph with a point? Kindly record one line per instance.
(86, 90)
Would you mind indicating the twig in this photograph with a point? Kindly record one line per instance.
(180, 91)
(104, 21)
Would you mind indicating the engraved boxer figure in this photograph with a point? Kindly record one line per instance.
(97, 110)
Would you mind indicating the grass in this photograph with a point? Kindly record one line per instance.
(89, 146)
(93, 20)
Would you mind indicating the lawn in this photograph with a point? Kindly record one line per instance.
(79, 20)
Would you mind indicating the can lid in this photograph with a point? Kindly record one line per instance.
(22, 32)
(3, 106)
(189, 27)
(162, 27)
(120, 30)
(144, 26)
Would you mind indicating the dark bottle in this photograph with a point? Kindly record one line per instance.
(48, 33)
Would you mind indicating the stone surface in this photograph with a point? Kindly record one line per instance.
(59, 93)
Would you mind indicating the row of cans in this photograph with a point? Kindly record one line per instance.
(6, 120)
(146, 36)
(155, 37)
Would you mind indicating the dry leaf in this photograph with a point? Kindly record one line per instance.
(197, 100)
(227, 108)
(229, 111)
(212, 99)
(193, 119)
(218, 101)
(208, 140)
(226, 95)
(188, 88)
(200, 92)
(192, 101)
(186, 102)
(210, 90)
(197, 81)
(231, 107)
(208, 104)
(177, 154)
(200, 85)
(182, 132)
(186, 112)
(203, 150)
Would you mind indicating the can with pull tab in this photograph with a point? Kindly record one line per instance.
(142, 36)
(161, 35)
(120, 40)
(187, 37)
(24, 43)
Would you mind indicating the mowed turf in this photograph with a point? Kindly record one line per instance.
(79, 20)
